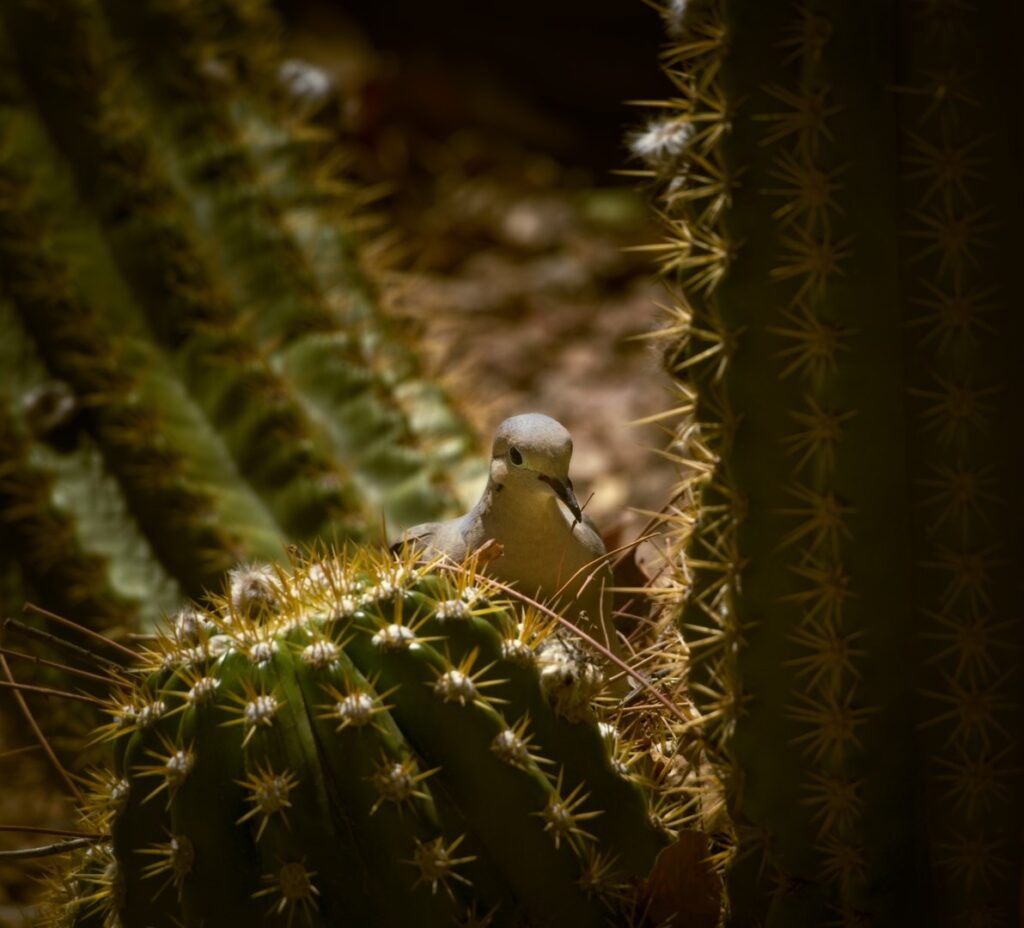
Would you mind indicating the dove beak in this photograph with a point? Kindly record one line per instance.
(563, 490)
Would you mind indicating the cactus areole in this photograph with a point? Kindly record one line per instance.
(360, 742)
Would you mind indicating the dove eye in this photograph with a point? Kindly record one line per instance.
(515, 456)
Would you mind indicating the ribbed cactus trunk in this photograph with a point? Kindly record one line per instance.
(196, 369)
(361, 741)
(842, 183)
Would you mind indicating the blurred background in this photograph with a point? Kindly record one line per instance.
(496, 136)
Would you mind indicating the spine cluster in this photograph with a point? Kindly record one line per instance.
(350, 742)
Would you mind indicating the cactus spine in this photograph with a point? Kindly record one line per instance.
(835, 179)
(382, 751)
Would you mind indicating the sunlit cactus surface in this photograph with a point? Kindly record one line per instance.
(364, 741)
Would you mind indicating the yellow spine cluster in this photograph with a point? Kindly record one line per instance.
(683, 154)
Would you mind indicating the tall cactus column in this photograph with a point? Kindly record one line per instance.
(836, 179)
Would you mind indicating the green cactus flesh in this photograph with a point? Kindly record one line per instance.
(207, 180)
(230, 385)
(360, 741)
(164, 457)
(266, 174)
(836, 179)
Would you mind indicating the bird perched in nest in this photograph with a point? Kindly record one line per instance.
(548, 549)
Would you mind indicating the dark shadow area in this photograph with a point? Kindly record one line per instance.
(557, 75)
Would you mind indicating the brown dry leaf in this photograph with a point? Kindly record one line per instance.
(682, 889)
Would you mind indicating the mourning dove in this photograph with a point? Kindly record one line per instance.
(548, 549)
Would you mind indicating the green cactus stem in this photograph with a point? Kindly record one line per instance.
(213, 438)
(836, 179)
(381, 751)
(311, 299)
(153, 238)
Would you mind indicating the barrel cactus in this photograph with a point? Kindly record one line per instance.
(363, 740)
(837, 180)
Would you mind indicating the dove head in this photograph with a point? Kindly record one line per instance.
(531, 454)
